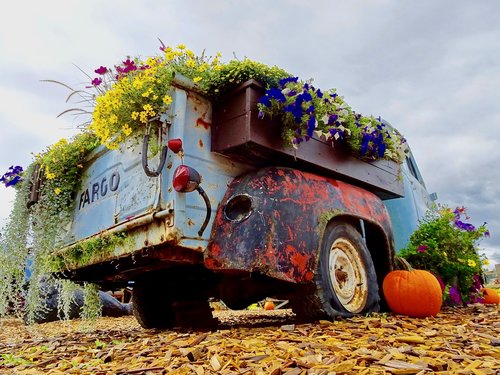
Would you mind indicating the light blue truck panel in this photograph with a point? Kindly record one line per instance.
(407, 212)
(116, 195)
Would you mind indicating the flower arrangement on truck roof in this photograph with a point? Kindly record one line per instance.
(290, 183)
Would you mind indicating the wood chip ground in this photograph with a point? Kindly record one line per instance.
(457, 341)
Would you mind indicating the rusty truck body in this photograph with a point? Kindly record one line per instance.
(229, 213)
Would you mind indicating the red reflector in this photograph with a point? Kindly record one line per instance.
(181, 178)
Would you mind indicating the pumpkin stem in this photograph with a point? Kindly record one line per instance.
(403, 264)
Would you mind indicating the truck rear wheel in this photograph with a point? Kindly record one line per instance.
(168, 300)
(345, 283)
(151, 305)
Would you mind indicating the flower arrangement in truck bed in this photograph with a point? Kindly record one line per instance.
(445, 244)
(306, 111)
(136, 92)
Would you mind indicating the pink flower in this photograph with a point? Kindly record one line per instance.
(96, 81)
(422, 248)
(102, 70)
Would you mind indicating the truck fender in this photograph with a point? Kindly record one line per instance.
(271, 221)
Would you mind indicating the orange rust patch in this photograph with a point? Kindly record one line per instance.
(201, 122)
(200, 142)
(298, 260)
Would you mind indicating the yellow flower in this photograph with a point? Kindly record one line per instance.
(127, 130)
(49, 175)
(471, 263)
(191, 63)
(444, 253)
(134, 115)
(197, 79)
(181, 46)
(169, 56)
(486, 262)
(167, 99)
(57, 191)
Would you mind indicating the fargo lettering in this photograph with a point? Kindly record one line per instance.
(99, 189)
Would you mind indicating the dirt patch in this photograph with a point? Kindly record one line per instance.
(464, 340)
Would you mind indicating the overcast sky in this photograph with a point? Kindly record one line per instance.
(431, 68)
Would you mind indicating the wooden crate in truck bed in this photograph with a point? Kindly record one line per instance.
(239, 133)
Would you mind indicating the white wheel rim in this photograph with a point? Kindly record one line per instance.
(348, 275)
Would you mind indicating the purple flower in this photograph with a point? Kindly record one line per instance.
(306, 96)
(96, 81)
(274, 93)
(101, 70)
(310, 126)
(14, 181)
(260, 115)
(422, 248)
(464, 226)
(332, 119)
(265, 101)
(295, 110)
(310, 109)
(12, 176)
(284, 81)
(487, 233)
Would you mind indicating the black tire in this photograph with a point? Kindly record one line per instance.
(151, 304)
(348, 290)
(159, 300)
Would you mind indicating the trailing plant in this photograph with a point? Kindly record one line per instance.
(445, 244)
(14, 251)
(31, 235)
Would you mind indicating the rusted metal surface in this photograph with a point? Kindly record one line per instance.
(289, 211)
(239, 133)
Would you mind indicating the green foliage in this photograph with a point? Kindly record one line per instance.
(100, 344)
(88, 252)
(9, 360)
(92, 306)
(448, 247)
(235, 72)
(62, 164)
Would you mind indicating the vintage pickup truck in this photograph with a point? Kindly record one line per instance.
(227, 212)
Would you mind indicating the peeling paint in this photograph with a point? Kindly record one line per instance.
(290, 210)
(202, 123)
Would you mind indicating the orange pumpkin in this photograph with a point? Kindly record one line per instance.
(490, 296)
(269, 305)
(414, 293)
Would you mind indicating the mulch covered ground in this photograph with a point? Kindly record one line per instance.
(457, 341)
